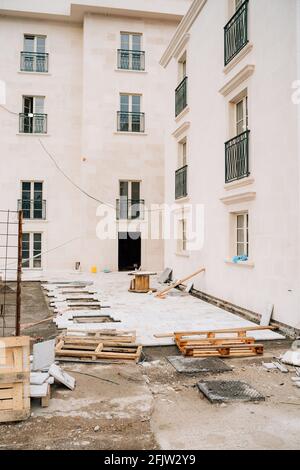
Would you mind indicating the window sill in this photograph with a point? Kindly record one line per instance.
(32, 134)
(182, 113)
(130, 70)
(182, 199)
(183, 254)
(130, 133)
(238, 198)
(36, 221)
(25, 72)
(237, 59)
(239, 183)
(243, 264)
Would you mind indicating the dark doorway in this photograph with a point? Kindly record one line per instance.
(129, 250)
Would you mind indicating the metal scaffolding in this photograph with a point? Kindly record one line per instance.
(10, 271)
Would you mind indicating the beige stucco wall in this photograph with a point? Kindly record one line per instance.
(274, 158)
(82, 99)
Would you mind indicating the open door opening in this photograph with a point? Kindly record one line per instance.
(129, 250)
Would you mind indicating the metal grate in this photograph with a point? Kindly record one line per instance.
(191, 365)
(218, 391)
(10, 271)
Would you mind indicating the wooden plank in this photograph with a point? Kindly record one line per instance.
(163, 292)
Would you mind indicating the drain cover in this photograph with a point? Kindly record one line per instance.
(191, 365)
(218, 391)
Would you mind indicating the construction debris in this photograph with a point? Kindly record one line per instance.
(209, 343)
(43, 354)
(218, 391)
(116, 346)
(190, 365)
(14, 379)
(161, 294)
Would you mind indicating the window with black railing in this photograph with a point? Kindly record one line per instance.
(34, 62)
(32, 208)
(32, 123)
(236, 33)
(131, 60)
(129, 209)
(181, 182)
(181, 96)
(237, 157)
(131, 121)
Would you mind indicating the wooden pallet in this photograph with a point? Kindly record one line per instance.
(107, 335)
(224, 350)
(223, 343)
(97, 349)
(14, 378)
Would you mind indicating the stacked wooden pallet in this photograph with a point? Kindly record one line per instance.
(14, 379)
(232, 342)
(99, 345)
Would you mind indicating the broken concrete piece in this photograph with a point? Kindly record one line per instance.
(39, 391)
(165, 276)
(269, 365)
(267, 315)
(43, 354)
(62, 377)
(281, 367)
(38, 378)
(292, 358)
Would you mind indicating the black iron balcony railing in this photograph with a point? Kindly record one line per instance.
(131, 60)
(131, 122)
(33, 123)
(181, 182)
(33, 208)
(130, 209)
(34, 62)
(237, 157)
(181, 96)
(236, 33)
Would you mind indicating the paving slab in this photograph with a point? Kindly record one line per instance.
(192, 365)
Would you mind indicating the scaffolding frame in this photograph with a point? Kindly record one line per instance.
(10, 270)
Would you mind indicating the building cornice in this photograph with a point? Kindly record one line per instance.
(182, 30)
(239, 78)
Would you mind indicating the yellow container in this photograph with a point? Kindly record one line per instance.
(94, 269)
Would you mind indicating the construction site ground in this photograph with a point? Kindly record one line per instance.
(151, 406)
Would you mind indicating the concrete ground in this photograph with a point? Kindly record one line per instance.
(151, 406)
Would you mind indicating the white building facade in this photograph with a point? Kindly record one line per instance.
(233, 149)
(83, 122)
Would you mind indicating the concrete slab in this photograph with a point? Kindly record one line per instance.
(62, 376)
(43, 355)
(192, 365)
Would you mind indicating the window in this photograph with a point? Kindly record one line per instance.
(130, 56)
(182, 236)
(236, 31)
(32, 203)
(31, 250)
(34, 57)
(130, 117)
(181, 172)
(32, 119)
(181, 90)
(241, 113)
(129, 205)
(242, 236)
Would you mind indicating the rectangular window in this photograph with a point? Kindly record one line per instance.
(130, 204)
(131, 57)
(32, 202)
(130, 118)
(33, 120)
(31, 250)
(242, 234)
(182, 236)
(34, 57)
(241, 113)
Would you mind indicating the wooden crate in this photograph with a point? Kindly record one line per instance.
(14, 378)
